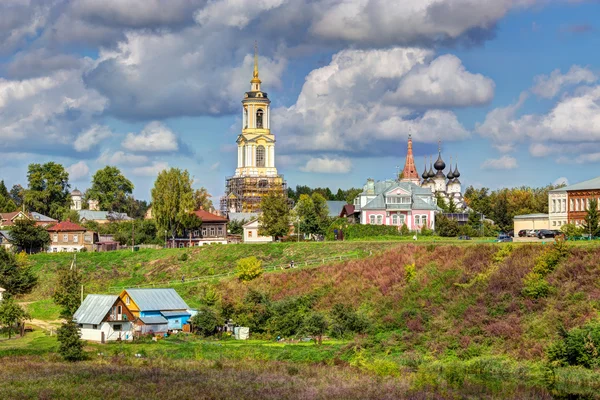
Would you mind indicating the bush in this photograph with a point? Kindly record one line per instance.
(71, 346)
(404, 231)
(345, 321)
(535, 286)
(183, 257)
(315, 325)
(358, 231)
(410, 271)
(579, 346)
(445, 226)
(249, 268)
(206, 321)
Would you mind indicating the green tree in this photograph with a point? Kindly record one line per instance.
(236, 227)
(111, 188)
(70, 215)
(172, 200)
(345, 320)
(202, 200)
(206, 321)
(571, 230)
(315, 324)
(441, 202)
(70, 344)
(248, 268)
(67, 292)
(11, 315)
(48, 189)
(16, 194)
(351, 195)
(590, 224)
(313, 213)
(6, 202)
(452, 206)
(446, 227)
(15, 277)
(275, 218)
(26, 235)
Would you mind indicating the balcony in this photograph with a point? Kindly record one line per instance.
(117, 317)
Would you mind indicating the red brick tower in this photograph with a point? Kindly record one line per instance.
(409, 173)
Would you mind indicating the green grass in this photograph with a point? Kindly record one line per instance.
(33, 343)
(45, 310)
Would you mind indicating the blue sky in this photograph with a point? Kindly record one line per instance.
(510, 87)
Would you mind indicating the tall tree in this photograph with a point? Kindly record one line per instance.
(17, 278)
(441, 202)
(16, 194)
(67, 293)
(111, 188)
(48, 189)
(202, 200)
(11, 315)
(172, 200)
(275, 218)
(590, 224)
(27, 236)
(6, 203)
(313, 213)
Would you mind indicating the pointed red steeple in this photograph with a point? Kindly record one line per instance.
(409, 173)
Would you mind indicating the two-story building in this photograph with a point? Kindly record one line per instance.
(103, 318)
(68, 236)
(212, 230)
(570, 204)
(8, 219)
(396, 203)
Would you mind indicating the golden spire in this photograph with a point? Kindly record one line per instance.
(255, 78)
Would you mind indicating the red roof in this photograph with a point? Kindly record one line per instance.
(347, 210)
(6, 219)
(66, 226)
(205, 216)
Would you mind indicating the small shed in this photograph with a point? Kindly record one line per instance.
(103, 318)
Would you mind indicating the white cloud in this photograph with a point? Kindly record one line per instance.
(152, 169)
(235, 13)
(91, 137)
(155, 137)
(326, 165)
(110, 157)
(78, 170)
(549, 86)
(561, 181)
(504, 162)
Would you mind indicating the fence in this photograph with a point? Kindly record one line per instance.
(269, 268)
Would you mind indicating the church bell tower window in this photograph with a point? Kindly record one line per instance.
(260, 156)
(259, 119)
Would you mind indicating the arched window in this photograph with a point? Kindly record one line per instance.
(259, 118)
(260, 156)
(424, 220)
(379, 220)
(417, 220)
(394, 219)
(372, 220)
(245, 118)
(402, 219)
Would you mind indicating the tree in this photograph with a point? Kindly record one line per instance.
(48, 189)
(172, 200)
(313, 213)
(445, 226)
(15, 277)
(248, 268)
(16, 194)
(70, 215)
(441, 202)
(236, 227)
(202, 200)
(275, 218)
(345, 321)
(452, 206)
(67, 293)
(206, 321)
(590, 223)
(11, 315)
(6, 202)
(571, 230)
(315, 324)
(70, 344)
(111, 188)
(29, 237)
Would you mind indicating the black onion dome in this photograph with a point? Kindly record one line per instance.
(450, 175)
(425, 173)
(431, 174)
(440, 165)
(456, 173)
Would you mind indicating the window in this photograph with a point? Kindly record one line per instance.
(402, 219)
(372, 220)
(571, 205)
(220, 230)
(65, 238)
(87, 238)
(119, 309)
(212, 231)
(249, 234)
(553, 205)
(379, 220)
(424, 220)
(127, 301)
(394, 219)
(75, 238)
(55, 238)
(260, 156)
(245, 118)
(81, 325)
(259, 118)
(117, 327)
(94, 326)
(553, 223)
(203, 232)
(417, 220)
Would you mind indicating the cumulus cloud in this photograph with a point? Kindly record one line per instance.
(78, 170)
(40, 62)
(21, 21)
(340, 107)
(548, 86)
(326, 165)
(504, 162)
(90, 138)
(152, 169)
(155, 137)
(110, 157)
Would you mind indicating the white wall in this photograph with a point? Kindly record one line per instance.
(251, 234)
(95, 335)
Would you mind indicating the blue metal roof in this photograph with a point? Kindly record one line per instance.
(154, 320)
(174, 313)
(94, 308)
(157, 299)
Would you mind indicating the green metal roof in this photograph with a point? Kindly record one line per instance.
(590, 184)
(531, 216)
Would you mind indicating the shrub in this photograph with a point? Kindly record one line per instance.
(288, 315)
(426, 232)
(71, 346)
(404, 231)
(249, 268)
(183, 257)
(206, 321)
(535, 286)
(345, 320)
(358, 231)
(315, 325)
(445, 226)
(579, 346)
(410, 271)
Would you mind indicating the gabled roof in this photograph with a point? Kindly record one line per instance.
(378, 203)
(8, 219)
(41, 218)
(6, 234)
(590, 184)
(102, 215)
(347, 210)
(66, 226)
(205, 216)
(420, 204)
(240, 216)
(157, 299)
(335, 207)
(94, 308)
(251, 222)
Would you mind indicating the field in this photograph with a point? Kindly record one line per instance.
(445, 320)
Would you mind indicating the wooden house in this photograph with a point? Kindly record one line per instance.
(104, 318)
(68, 236)
(156, 310)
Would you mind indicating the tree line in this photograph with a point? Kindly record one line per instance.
(341, 195)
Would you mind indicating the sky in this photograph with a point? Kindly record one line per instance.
(510, 87)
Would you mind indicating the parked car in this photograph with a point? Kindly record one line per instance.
(511, 233)
(545, 233)
(533, 233)
(503, 237)
(523, 233)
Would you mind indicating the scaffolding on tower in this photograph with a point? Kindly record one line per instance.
(244, 194)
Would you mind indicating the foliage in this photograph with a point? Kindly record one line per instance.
(426, 231)
(48, 189)
(359, 231)
(441, 202)
(70, 215)
(341, 195)
(445, 226)
(172, 200)
(313, 214)
(254, 312)
(67, 292)
(345, 321)
(275, 218)
(535, 286)
(17, 278)
(11, 315)
(579, 346)
(410, 271)
(534, 283)
(6, 202)
(144, 231)
(202, 200)
(249, 268)
(315, 324)
(236, 227)
(111, 188)
(571, 230)
(206, 321)
(590, 224)
(70, 345)
(28, 236)
(404, 231)
(286, 316)
(16, 194)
